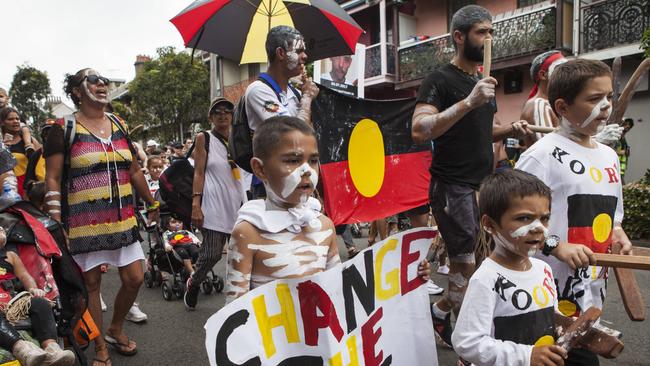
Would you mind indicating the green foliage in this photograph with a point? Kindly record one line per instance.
(637, 208)
(29, 90)
(645, 42)
(122, 110)
(171, 92)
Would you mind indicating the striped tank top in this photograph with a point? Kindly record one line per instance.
(100, 196)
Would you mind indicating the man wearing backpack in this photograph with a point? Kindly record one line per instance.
(217, 194)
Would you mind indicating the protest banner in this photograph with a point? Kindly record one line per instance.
(369, 311)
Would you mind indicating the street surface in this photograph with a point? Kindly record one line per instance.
(174, 336)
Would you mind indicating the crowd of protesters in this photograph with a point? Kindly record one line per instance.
(85, 172)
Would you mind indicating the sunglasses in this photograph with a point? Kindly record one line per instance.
(221, 111)
(95, 79)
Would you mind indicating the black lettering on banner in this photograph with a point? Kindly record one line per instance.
(388, 361)
(573, 164)
(558, 154)
(221, 347)
(501, 285)
(365, 290)
(515, 299)
(302, 361)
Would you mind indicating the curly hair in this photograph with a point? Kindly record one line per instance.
(73, 81)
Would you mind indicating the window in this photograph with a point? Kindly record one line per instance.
(524, 3)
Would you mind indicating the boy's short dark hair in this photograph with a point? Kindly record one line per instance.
(499, 188)
(268, 135)
(569, 78)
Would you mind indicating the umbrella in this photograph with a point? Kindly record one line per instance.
(237, 29)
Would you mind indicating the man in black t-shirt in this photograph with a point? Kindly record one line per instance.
(455, 108)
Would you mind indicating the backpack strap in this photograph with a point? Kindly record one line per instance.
(206, 134)
(119, 123)
(268, 80)
(69, 132)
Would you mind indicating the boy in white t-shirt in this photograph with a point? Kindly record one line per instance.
(583, 174)
(507, 317)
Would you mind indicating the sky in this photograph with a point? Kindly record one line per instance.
(64, 36)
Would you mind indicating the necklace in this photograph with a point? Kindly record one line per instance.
(473, 76)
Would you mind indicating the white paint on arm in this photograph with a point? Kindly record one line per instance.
(238, 271)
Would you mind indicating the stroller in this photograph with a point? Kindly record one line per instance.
(40, 243)
(158, 261)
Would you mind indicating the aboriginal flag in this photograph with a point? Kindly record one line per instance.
(370, 167)
(591, 219)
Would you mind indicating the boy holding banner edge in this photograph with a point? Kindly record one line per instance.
(285, 235)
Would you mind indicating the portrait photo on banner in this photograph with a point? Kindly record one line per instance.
(372, 310)
(344, 74)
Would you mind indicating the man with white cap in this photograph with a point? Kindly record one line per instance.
(152, 146)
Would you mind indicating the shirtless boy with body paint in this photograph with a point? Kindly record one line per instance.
(285, 235)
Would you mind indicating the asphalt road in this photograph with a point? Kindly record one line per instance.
(174, 336)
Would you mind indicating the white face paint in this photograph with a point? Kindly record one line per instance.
(291, 181)
(566, 129)
(555, 64)
(90, 95)
(293, 59)
(518, 233)
(595, 112)
(526, 229)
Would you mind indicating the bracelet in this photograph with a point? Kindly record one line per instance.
(155, 206)
(52, 193)
(197, 194)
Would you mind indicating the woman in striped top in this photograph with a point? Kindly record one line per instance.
(89, 183)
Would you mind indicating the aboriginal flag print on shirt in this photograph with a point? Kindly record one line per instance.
(370, 167)
(591, 220)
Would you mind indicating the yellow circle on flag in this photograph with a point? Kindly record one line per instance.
(602, 227)
(566, 307)
(546, 340)
(366, 157)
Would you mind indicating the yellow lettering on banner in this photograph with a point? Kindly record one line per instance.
(598, 175)
(352, 351)
(392, 277)
(536, 298)
(286, 318)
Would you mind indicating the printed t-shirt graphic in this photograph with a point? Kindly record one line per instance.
(370, 167)
(587, 201)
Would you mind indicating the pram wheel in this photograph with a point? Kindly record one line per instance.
(217, 283)
(167, 291)
(207, 287)
(148, 279)
(179, 290)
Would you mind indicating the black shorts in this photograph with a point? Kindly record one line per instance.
(459, 222)
(420, 210)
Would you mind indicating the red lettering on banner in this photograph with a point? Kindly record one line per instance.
(611, 173)
(370, 337)
(408, 258)
(313, 297)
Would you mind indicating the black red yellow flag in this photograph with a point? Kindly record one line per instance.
(370, 167)
(591, 220)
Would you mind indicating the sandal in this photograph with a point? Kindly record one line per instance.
(107, 361)
(352, 251)
(122, 348)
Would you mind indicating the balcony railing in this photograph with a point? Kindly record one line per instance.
(612, 23)
(523, 34)
(373, 60)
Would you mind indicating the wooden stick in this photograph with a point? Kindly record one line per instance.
(629, 289)
(578, 329)
(599, 339)
(487, 57)
(641, 251)
(622, 261)
(616, 81)
(628, 92)
(541, 129)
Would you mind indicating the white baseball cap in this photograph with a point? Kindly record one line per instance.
(152, 143)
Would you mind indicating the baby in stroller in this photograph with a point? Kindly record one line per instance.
(40, 314)
(182, 242)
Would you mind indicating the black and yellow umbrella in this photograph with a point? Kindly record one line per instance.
(237, 29)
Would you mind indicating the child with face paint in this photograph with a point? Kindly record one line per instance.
(587, 205)
(507, 317)
(285, 235)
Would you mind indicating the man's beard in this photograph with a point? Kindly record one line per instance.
(472, 52)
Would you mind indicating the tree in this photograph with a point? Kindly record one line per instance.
(170, 93)
(29, 90)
